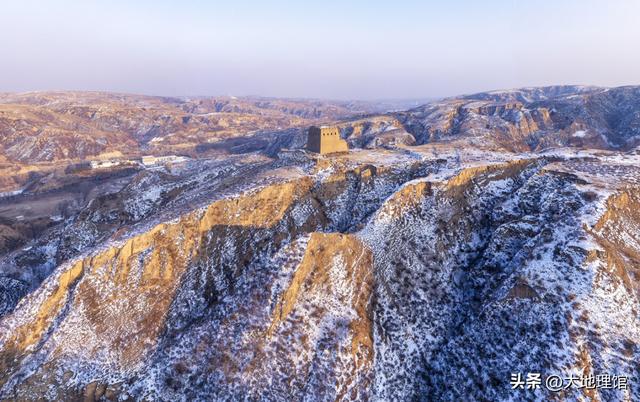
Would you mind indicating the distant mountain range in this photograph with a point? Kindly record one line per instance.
(50, 127)
(533, 119)
(46, 127)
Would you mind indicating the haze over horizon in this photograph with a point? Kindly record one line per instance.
(360, 50)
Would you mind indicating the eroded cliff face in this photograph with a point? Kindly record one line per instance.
(618, 234)
(404, 279)
(134, 299)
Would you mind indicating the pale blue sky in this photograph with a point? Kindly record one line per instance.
(330, 49)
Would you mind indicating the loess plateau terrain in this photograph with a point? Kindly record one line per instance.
(456, 243)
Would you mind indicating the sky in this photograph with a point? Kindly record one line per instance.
(333, 49)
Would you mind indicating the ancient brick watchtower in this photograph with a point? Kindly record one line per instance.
(325, 140)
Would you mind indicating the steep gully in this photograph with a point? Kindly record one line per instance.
(256, 224)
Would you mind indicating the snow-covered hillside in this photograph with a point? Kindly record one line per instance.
(421, 273)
